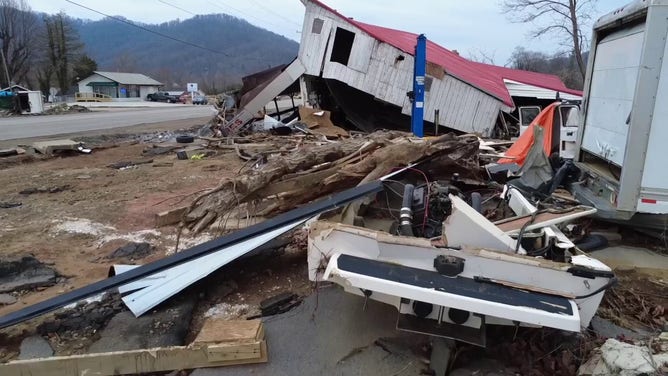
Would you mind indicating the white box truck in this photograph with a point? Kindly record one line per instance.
(623, 138)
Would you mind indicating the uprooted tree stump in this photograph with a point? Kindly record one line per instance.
(308, 173)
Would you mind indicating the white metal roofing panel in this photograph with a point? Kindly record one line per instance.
(518, 89)
(159, 287)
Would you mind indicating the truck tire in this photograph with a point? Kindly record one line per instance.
(184, 139)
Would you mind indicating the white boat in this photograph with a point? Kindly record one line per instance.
(472, 274)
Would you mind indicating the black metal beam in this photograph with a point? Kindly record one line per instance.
(303, 213)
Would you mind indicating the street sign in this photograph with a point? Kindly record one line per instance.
(191, 87)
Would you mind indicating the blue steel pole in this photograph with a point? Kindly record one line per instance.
(417, 114)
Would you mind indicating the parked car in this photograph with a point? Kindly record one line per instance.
(200, 99)
(162, 96)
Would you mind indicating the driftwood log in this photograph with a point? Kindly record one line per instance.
(310, 172)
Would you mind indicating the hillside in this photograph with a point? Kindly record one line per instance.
(247, 49)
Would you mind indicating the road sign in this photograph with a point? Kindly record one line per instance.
(191, 87)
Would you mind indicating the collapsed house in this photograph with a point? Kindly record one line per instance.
(365, 73)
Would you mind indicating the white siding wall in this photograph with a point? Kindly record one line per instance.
(83, 88)
(373, 68)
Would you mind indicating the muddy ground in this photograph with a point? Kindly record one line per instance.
(75, 211)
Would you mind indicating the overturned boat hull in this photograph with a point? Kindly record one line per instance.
(455, 293)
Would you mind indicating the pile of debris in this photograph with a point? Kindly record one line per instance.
(628, 358)
(64, 108)
(284, 177)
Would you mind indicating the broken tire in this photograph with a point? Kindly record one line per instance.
(185, 139)
(592, 243)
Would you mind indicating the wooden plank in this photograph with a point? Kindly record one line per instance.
(219, 331)
(514, 224)
(170, 217)
(140, 361)
(221, 344)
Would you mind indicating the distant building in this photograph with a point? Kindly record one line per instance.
(15, 88)
(119, 86)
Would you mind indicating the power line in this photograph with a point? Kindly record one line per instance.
(149, 30)
(177, 7)
(275, 13)
(242, 12)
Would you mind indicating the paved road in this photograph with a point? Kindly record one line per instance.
(49, 125)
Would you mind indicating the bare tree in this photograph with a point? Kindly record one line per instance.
(63, 48)
(17, 26)
(481, 56)
(562, 18)
(533, 61)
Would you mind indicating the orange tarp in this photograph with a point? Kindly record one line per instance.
(518, 152)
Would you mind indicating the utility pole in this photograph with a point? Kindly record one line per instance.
(419, 71)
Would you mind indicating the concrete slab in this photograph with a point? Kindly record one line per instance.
(49, 147)
(35, 347)
(624, 257)
(6, 299)
(330, 334)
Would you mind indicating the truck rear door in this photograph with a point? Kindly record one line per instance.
(613, 84)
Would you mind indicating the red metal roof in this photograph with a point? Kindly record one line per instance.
(488, 78)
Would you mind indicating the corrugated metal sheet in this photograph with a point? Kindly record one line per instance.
(518, 89)
(488, 78)
(146, 293)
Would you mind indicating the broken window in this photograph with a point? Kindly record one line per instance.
(527, 114)
(427, 83)
(343, 45)
(570, 116)
(317, 26)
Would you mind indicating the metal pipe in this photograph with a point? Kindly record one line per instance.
(406, 213)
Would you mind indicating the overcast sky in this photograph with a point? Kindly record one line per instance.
(469, 26)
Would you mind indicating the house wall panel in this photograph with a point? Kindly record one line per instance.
(373, 67)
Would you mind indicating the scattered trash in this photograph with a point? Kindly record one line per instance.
(627, 359)
(54, 189)
(158, 150)
(11, 152)
(278, 304)
(25, 273)
(227, 311)
(132, 251)
(64, 108)
(127, 164)
(9, 205)
(183, 139)
(84, 150)
(6, 299)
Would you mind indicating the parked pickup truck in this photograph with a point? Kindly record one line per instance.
(162, 96)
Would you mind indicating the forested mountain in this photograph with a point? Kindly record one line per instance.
(243, 48)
